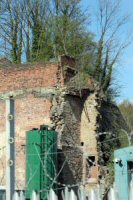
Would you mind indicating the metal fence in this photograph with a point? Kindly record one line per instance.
(66, 195)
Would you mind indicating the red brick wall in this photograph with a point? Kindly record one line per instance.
(30, 111)
(23, 77)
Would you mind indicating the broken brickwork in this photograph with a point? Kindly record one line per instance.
(48, 94)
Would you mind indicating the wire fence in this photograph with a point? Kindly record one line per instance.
(53, 180)
(51, 193)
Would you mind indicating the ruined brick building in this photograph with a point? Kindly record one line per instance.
(51, 94)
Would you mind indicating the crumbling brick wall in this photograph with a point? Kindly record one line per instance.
(33, 88)
(41, 97)
(66, 118)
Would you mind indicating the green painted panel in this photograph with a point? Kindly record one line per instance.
(49, 158)
(33, 165)
(41, 161)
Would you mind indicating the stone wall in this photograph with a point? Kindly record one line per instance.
(75, 119)
(66, 118)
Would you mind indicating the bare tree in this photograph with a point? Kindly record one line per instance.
(22, 28)
(11, 29)
(44, 29)
(110, 45)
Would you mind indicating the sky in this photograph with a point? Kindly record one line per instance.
(124, 71)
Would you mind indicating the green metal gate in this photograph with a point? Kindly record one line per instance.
(41, 161)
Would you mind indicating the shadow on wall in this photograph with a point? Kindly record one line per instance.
(72, 118)
(69, 170)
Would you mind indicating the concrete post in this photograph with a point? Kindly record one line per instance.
(10, 149)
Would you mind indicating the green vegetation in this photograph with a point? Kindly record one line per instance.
(113, 124)
(126, 108)
(42, 30)
(39, 30)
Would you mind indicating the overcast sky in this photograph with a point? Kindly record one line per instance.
(124, 73)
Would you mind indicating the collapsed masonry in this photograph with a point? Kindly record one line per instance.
(55, 95)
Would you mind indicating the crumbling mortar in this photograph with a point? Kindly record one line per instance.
(99, 96)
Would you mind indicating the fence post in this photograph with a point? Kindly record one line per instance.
(16, 196)
(131, 190)
(82, 193)
(22, 196)
(66, 194)
(34, 196)
(72, 195)
(52, 195)
(92, 195)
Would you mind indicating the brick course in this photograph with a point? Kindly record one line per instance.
(18, 78)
